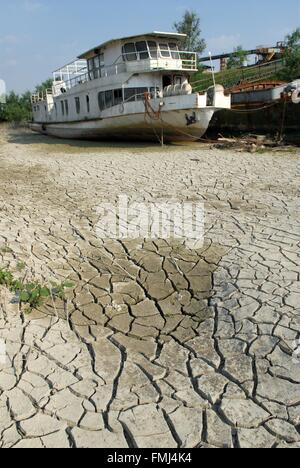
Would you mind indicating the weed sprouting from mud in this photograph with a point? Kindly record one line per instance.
(32, 294)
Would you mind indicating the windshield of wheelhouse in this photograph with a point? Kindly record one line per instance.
(143, 50)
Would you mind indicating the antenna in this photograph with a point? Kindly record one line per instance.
(212, 68)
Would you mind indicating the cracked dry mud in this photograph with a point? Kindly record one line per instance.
(158, 345)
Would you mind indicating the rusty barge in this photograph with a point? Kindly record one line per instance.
(267, 107)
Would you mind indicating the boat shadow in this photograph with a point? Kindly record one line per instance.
(21, 136)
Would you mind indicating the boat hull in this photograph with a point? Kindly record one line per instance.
(180, 125)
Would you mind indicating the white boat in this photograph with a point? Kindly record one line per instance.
(131, 88)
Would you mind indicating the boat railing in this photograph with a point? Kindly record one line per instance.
(40, 96)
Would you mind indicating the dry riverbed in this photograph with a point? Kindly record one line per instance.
(158, 345)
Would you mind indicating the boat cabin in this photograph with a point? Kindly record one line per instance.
(151, 52)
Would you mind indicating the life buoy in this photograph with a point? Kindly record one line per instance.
(296, 96)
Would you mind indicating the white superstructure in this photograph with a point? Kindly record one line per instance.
(134, 87)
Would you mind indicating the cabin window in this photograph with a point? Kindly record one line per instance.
(129, 52)
(90, 68)
(67, 107)
(153, 49)
(118, 96)
(174, 51)
(129, 94)
(101, 101)
(164, 50)
(88, 108)
(77, 105)
(111, 98)
(142, 50)
(140, 93)
(62, 107)
(108, 99)
(134, 94)
(96, 67)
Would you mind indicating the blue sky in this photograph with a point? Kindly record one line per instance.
(38, 36)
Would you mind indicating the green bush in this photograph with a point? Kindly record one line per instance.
(18, 106)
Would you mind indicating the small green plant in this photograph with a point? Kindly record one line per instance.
(59, 289)
(6, 278)
(33, 294)
(21, 266)
(6, 249)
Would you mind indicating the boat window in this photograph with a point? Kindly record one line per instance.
(88, 103)
(153, 49)
(101, 101)
(164, 50)
(129, 94)
(67, 107)
(174, 51)
(129, 52)
(108, 99)
(62, 107)
(94, 66)
(77, 103)
(142, 49)
(134, 94)
(111, 98)
(140, 93)
(118, 96)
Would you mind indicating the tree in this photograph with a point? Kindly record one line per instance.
(190, 25)
(238, 59)
(291, 69)
(44, 86)
(17, 108)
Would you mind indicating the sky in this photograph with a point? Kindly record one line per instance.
(39, 36)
